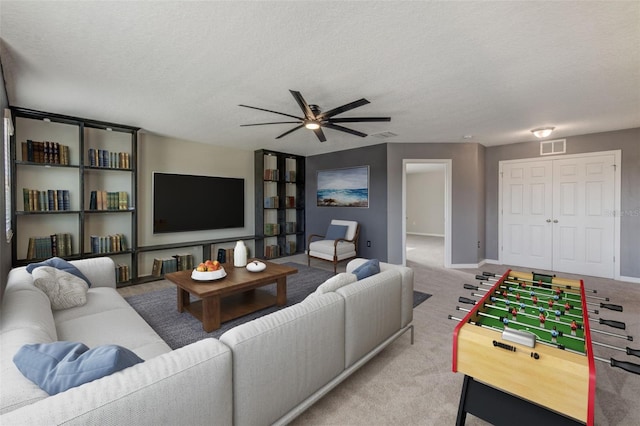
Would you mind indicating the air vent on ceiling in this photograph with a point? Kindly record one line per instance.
(384, 135)
(558, 146)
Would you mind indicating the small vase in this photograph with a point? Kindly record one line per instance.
(240, 255)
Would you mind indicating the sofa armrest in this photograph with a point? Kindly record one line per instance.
(101, 271)
(191, 385)
(407, 285)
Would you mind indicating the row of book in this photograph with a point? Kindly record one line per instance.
(271, 202)
(49, 246)
(122, 273)
(177, 262)
(271, 229)
(47, 200)
(106, 158)
(290, 176)
(271, 174)
(108, 200)
(290, 247)
(108, 243)
(45, 152)
(271, 251)
(290, 202)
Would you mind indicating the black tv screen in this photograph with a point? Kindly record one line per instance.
(194, 203)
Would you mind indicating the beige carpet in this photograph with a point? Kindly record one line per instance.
(413, 384)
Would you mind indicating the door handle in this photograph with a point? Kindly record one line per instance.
(548, 220)
(555, 220)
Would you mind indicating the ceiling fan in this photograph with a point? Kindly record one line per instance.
(314, 119)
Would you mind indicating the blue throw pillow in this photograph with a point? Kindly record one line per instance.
(335, 232)
(61, 264)
(368, 268)
(59, 366)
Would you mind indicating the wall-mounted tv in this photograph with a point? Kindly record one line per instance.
(194, 203)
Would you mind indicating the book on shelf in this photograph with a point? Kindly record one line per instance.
(122, 273)
(46, 200)
(290, 202)
(156, 269)
(290, 176)
(113, 243)
(290, 227)
(108, 200)
(49, 246)
(271, 202)
(107, 159)
(271, 174)
(46, 152)
(169, 264)
(272, 251)
(271, 229)
(290, 247)
(184, 262)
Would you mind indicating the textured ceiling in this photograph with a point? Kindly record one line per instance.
(441, 70)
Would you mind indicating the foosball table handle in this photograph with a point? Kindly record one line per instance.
(466, 300)
(612, 323)
(627, 366)
(634, 352)
(612, 307)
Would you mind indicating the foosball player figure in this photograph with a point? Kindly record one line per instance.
(554, 335)
(558, 313)
(567, 306)
(558, 292)
(550, 301)
(514, 313)
(574, 327)
(505, 294)
(534, 299)
(518, 297)
(522, 306)
(542, 319)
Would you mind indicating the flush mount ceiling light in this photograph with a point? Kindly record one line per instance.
(311, 124)
(542, 132)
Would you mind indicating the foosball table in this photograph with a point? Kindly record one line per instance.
(525, 348)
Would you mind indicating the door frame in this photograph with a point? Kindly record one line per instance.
(447, 162)
(616, 203)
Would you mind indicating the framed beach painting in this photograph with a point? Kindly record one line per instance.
(347, 187)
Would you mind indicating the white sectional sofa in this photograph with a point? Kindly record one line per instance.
(265, 371)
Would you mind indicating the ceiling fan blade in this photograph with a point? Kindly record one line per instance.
(303, 105)
(275, 112)
(274, 122)
(343, 108)
(344, 129)
(289, 131)
(320, 134)
(358, 119)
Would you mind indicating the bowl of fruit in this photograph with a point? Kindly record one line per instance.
(209, 270)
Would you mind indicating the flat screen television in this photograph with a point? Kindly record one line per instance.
(193, 203)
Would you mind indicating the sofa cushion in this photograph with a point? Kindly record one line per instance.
(368, 268)
(64, 289)
(58, 263)
(59, 366)
(336, 282)
(335, 232)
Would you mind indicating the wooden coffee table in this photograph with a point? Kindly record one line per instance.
(233, 296)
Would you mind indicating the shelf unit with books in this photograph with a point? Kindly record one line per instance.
(279, 214)
(53, 178)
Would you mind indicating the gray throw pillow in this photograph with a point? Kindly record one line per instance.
(64, 290)
(335, 232)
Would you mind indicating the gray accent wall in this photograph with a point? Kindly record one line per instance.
(373, 220)
(628, 141)
(467, 193)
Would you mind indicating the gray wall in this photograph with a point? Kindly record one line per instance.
(373, 220)
(626, 140)
(5, 248)
(467, 203)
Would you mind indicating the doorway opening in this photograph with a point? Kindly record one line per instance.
(426, 212)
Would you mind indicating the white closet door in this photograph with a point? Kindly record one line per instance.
(526, 214)
(583, 221)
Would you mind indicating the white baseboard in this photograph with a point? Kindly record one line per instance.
(492, 262)
(425, 235)
(634, 280)
(466, 265)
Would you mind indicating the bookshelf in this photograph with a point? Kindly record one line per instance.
(279, 215)
(62, 167)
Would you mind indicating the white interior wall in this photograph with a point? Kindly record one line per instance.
(425, 203)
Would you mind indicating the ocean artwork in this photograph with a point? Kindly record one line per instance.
(343, 187)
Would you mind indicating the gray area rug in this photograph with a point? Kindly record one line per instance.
(158, 308)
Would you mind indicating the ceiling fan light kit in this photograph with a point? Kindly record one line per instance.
(542, 132)
(314, 119)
